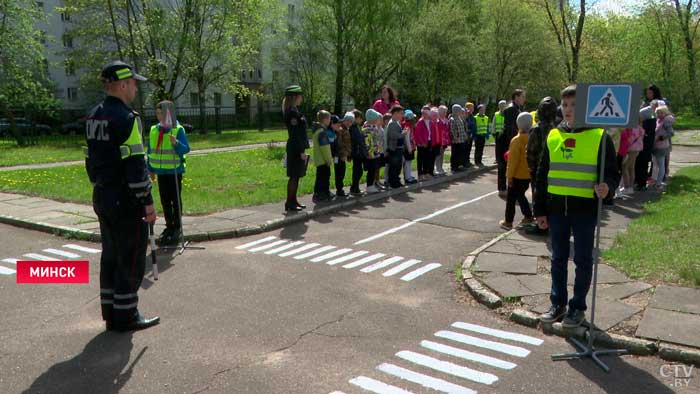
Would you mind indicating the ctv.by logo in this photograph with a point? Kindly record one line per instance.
(679, 373)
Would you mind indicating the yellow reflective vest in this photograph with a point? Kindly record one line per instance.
(163, 157)
(573, 162)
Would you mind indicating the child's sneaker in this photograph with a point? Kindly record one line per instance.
(553, 314)
(506, 225)
(372, 189)
(573, 318)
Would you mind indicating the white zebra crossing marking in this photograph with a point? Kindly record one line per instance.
(348, 257)
(82, 248)
(382, 264)
(314, 252)
(37, 256)
(267, 246)
(420, 271)
(298, 250)
(461, 353)
(482, 343)
(376, 386)
(365, 260)
(6, 271)
(403, 266)
(257, 242)
(448, 367)
(62, 253)
(424, 380)
(498, 333)
(284, 247)
(10, 261)
(330, 255)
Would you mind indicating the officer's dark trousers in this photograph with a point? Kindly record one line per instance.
(323, 180)
(168, 196)
(124, 239)
(501, 148)
(560, 229)
(339, 169)
(479, 142)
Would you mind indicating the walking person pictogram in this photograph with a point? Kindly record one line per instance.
(607, 103)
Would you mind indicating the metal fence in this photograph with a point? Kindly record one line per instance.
(67, 127)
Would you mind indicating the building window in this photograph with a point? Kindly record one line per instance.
(65, 17)
(290, 11)
(217, 99)
(40, 5)
(72, 94)
(67, 41)
(70, 67)
(251, 74)
(242, 74)
(259, 74)
(194, 99)
(42, 37)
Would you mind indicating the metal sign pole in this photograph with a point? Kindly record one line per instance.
(589, 350)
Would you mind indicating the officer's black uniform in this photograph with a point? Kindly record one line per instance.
(115, 163)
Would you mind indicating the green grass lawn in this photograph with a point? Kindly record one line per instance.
(662, 244)
(687, 121)
(52, 151)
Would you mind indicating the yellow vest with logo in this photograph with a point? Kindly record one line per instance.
(164, 156)
(573, 162)
(482, 124)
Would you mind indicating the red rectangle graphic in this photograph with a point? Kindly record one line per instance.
(43, 272)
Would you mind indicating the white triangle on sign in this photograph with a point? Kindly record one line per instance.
(608, 107)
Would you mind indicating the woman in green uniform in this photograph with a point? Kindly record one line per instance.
(297, 143)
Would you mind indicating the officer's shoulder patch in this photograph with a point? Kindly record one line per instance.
(294, 121)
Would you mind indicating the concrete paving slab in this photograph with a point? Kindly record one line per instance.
(506, 263)
(526, 248)
(232, 214)
(608, 312)
(523, 236)
(669, 326)
(606, 274)
(516, 285)
(623, 290)
(680, 299)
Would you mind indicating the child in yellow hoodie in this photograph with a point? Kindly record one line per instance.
(518, 174)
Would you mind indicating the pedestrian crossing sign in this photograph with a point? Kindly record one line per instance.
(611, 105)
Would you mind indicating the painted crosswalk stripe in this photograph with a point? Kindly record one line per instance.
(267, 246)
(482, 343)
(6, 271)
(466, 355)
(62, 253)
(330, 255)
(376, 386)
(10, 261)
(314, 252)
(37, 256)
(448, 367)
(420, 271)
(382, 264)
(498, 333)
(403, 266)
(257, 242)
(284, 247)
(364, 260)
(424, 380)
(347, 258)
(298, 250)
(82, 248)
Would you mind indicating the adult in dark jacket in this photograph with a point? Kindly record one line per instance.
(297, 143)
(510, 129)
(359, 151)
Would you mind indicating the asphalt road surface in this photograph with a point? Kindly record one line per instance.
(363, 301)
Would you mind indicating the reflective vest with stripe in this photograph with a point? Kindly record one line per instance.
(163, 157)
(498, 122)
(573, 162)
(534, 117)
(482, 124)
(133, 146)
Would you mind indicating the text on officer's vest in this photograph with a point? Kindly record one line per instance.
(95, 130)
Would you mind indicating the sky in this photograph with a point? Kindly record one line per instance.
(616, 6)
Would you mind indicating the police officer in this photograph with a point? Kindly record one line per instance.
(121, 197)
(297, 143)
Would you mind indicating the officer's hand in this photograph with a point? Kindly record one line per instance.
(601, 190)
(152, 175)
(542, 222)
(150, 214)
(173, 140)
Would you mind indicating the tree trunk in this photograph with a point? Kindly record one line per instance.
(339, 57)
(201, 92)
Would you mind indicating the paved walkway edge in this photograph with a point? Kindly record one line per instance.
(319, 210)
(633, 345)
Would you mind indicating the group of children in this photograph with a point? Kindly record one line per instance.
(372, 141)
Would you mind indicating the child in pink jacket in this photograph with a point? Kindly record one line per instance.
(631, 143)
(443, 124)
(429, 142)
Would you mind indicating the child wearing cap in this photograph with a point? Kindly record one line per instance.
(322, 157)
(409, 149)
(443, 125)
(374, 141)
(344, 145)
(518, 174)
(458, 138)
(359, 151)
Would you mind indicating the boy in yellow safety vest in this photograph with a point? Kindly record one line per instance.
(566, 193)
(167, 147)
